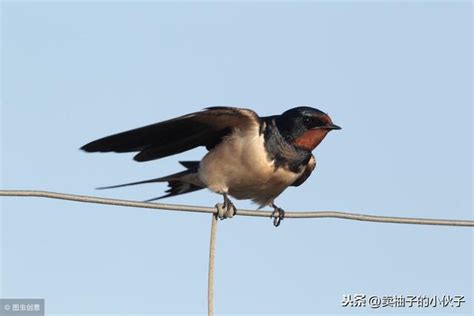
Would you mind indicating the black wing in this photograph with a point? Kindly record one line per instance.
(306, 173)
(205, 128)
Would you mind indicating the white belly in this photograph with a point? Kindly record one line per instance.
(240, 166)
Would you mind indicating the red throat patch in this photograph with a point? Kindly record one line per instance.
(310, 139)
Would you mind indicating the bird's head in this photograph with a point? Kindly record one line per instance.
(304, 127)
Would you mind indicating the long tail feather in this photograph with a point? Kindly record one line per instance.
(163, 179)
(178, 183)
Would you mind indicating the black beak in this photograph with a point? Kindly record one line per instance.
(332, 126)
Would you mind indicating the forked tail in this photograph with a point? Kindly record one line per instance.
(178, 183)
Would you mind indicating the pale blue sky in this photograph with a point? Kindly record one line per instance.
(396, 76)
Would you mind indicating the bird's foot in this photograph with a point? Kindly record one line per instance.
(278, 215)
(226, 209)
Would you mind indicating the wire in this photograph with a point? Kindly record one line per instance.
(212, 256)
(201, 209)
(214, 211)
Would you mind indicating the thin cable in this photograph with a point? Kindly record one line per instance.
(201, 209)
(212, 256)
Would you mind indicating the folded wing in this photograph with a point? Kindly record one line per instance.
(306, 173)
(205, 128)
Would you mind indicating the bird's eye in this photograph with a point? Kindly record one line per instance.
(307, 120)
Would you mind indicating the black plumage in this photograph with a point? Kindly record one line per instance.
(205, 128)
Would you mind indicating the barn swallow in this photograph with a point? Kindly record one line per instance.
(249, 157)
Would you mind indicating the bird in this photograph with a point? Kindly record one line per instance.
(248, 156)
